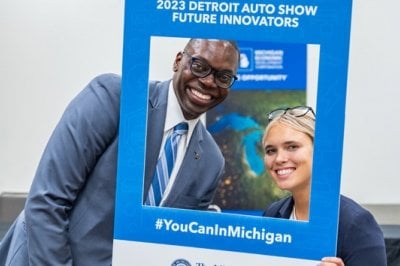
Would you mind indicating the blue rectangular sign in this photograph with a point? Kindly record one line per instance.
(265, 65)
(166, 236)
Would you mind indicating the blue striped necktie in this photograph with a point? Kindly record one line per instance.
(164, 165)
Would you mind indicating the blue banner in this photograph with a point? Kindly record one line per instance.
(265, 65)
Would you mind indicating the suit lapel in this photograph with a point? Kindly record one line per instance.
(157, 108)
(286, 208)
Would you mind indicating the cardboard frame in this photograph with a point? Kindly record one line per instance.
(325, 23)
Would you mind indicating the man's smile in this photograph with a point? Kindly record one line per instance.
(200, 97)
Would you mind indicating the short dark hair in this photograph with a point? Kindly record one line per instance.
(231, 42)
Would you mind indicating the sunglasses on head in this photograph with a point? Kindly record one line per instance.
(297, 111)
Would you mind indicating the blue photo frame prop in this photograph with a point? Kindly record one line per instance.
(139, 229)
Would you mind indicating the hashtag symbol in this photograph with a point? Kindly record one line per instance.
(159, 224)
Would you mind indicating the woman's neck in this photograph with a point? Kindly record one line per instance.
(301, 206)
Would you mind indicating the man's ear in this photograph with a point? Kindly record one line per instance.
(175, 67)
(178, 59)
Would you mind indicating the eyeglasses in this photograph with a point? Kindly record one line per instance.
(297, 111)
(201, 69)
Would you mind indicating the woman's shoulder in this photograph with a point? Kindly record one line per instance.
(350, 209)
(280, 209)
(353, 216)
(360, 239)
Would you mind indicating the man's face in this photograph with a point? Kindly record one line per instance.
(197, 95)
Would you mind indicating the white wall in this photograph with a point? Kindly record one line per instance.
(50, 49)
(372, 142)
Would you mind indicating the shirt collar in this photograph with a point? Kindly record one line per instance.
(174, 114)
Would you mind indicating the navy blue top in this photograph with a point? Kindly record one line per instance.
(360, 239)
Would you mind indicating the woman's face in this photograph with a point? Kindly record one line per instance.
(288, 157)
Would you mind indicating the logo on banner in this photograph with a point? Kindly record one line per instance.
(180, 262)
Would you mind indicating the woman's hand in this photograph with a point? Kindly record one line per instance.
(331, 261)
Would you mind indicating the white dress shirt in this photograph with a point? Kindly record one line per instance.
(175, 116)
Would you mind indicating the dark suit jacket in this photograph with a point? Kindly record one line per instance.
(69, 213)
(360, 239)
(202, 166)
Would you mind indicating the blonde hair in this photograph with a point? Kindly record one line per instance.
(304, 123)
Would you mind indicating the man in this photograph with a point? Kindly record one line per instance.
(69, 213)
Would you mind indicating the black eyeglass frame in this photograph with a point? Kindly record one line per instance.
(216, 73)
(282, 111)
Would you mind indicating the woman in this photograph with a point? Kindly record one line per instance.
(288, 144)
